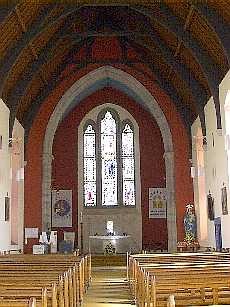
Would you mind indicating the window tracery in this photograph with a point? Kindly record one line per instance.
(109, 162)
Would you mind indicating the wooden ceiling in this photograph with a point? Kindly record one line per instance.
(184, 44)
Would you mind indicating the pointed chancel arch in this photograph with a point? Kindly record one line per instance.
(93, 81)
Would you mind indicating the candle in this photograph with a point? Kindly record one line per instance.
(81, 218)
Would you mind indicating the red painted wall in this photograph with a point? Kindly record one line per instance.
(33, 175)
(151, 152)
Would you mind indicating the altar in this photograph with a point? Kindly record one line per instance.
(115, 244)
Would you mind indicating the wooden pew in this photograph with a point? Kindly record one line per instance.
(135, 260)
(19, 303)
(190, 277)
(185, 294)
(152, 281)
(57, 281)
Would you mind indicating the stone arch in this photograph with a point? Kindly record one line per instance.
(91, 82)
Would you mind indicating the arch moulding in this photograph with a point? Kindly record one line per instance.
(94, 80)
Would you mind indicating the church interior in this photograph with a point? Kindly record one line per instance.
(115, 143)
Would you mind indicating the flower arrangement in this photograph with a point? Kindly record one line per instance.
(110, 249)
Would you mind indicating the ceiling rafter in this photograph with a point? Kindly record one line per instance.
(21, 22)
(7, 9)
(32, 34)
(44, 92)
(148, 60)
(119, 33)
(27, 122)
(181, 68)
(198, 92)
(186, 26)
(221, 28)
(30, 44)
(44, 56)
(164, 85)
(181, 72)
(34, 31)
(11, 56)
(173, 24)
(109, 62)
(20, 88)
(23, 27)
(32, 72)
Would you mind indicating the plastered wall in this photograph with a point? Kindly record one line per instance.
(11, 182)
(17, 186)
(4, 176)
(215, 172)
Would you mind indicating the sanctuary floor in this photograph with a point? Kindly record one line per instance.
(108, 288)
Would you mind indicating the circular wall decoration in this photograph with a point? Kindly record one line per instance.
(62, 207)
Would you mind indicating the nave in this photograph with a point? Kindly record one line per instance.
(109, 288)
(149, 280)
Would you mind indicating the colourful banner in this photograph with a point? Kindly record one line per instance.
(157, 203)
(61, 208)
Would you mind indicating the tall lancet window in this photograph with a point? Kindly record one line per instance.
(90, 197)
(128, 166)
(109, 160)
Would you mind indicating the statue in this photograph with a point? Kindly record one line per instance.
(190, 224)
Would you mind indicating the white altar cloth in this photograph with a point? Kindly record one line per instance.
(109, 237)
(97, 243)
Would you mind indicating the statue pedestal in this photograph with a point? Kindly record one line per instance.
(187, 247)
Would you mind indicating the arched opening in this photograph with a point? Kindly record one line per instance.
(117, 78)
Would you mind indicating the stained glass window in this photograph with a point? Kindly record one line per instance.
(128, 166)
(109, 160)
(89, 167)
(109, 176)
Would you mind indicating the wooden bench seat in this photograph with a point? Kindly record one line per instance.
(43, 280)
(155, 288)
(18, 303)
(197, 279)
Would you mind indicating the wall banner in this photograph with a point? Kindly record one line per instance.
(157, 203)
(61, 208)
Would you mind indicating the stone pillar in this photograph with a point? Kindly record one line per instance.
(46, 191)
(171, 206)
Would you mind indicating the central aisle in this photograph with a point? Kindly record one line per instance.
(108, 288)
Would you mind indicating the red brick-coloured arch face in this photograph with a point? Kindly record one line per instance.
(65, 150)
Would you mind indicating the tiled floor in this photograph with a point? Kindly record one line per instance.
(108, 289)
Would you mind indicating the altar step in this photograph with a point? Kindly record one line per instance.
(109, 260)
